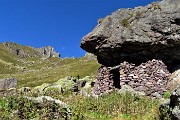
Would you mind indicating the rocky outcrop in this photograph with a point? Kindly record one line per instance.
(171, 108)
(48, 52)
(8, 83)
(27, 51)
(67, 84)
(137, 35)
(90, 56)
(174, 80)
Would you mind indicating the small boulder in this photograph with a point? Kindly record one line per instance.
(129, 89)
(8, 83)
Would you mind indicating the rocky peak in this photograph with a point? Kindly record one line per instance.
(137, 35)
(48, 51)
(27, 51)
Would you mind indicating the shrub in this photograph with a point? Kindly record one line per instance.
(167, 95)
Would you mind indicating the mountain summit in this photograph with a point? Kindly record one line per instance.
(27, 51)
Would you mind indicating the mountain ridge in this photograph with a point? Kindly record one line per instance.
(32, 68)
(28, 51)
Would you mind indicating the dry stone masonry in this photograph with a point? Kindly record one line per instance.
(104, 81)
(150, 78)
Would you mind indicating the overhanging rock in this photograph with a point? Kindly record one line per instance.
(137, 35)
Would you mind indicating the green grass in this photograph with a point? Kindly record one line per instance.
(167, 95)
(74, 67)
(38, 71)
(113, 106)
(33, 71)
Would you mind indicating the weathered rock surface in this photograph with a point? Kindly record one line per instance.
(27, 51)
(69, 83)
(137, 35)
(174, 80)
(126, 88)
(48, 51)
(8, 83)
(172, 106)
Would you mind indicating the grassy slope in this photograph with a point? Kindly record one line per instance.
(50, 73)
(35, 71)
(8, 60)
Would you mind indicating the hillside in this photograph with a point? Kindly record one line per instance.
(34, 68)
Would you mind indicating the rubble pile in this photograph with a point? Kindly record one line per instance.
(150, 77)
(104, 81)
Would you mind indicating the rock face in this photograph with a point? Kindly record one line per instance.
(174, 79)
(48, 51)
(137, 35)
(66, 84)
(27, 51)
(8, 83)
(172, 106)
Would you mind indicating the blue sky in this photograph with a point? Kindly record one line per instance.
(59, 23)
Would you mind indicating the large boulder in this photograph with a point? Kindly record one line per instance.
(137, 35)
(8, 83)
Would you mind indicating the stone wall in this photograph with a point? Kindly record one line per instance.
(104, 81)
(150, 77)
